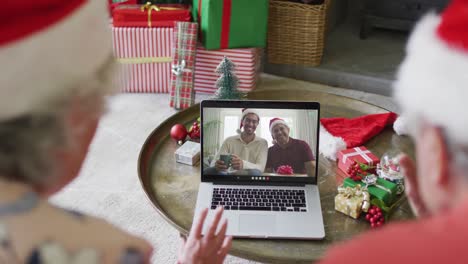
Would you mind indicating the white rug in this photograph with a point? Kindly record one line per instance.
(108, 184)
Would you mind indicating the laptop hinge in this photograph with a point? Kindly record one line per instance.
(261, 183)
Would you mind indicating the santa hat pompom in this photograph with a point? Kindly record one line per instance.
(400, 126)
(246, 111)
(339, 133)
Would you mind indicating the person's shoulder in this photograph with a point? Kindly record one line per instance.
(394, 243)
(232, 138)
(50, 228)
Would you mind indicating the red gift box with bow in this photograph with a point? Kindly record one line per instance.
(358, 154)
(150, 15)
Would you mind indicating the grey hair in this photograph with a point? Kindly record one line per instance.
(27, 142)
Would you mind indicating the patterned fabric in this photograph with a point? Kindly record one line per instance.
(184, 49)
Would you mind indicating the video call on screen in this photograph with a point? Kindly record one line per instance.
(281, 142)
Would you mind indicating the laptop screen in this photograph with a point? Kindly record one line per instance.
(259, 141)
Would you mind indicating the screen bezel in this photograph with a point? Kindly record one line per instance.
(301, 105)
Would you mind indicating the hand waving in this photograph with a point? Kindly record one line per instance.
(211, 248)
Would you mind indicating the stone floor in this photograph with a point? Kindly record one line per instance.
(350, 62)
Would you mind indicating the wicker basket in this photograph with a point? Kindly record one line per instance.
(296, 32)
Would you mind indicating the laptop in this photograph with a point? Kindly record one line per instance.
(274, 193)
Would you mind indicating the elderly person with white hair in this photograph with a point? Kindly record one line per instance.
(56, 62)
(432, 89)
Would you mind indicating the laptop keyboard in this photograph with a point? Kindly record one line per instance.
(259, 199)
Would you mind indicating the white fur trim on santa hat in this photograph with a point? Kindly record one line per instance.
(433, 79)
(400, 126)
(51, 61)
(329, 145)
(276, 122)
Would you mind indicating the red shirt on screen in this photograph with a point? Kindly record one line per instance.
(295, 154)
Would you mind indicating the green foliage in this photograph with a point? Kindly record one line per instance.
(228, 82)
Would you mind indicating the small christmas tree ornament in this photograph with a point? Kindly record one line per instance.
(228, 82)
(179, 133)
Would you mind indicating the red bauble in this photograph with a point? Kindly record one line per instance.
(178, 132)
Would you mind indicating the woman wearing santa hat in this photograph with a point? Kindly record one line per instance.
(56, 63)
(288, 151)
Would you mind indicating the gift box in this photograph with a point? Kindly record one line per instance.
(149, 15)
(146, 57)
(362, 155)
(157, 2)
(188, 153)
(184, 50)
(247, 69)
(231, 24)
(383, 190)
(352, 201)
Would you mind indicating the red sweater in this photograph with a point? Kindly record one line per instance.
(440, 239)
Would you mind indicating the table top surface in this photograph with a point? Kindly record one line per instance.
(172, 187)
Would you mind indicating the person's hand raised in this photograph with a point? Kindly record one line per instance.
(412, 187)
(211, 248)
(237, 163)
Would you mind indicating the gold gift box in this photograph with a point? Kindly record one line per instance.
(352, 201)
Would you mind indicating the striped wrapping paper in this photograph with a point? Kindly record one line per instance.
(184, 50)
(247, 63)
(146, 57)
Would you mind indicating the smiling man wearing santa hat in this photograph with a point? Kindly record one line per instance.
(56, 65)
(432, 89)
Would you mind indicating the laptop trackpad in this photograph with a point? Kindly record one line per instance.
(257, 224)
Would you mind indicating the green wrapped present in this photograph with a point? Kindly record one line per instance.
(231, 23)
(381, 189)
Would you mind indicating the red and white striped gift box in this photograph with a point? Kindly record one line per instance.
(146, 57)
(247, 63)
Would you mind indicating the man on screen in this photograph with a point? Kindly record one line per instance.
(242, 154)
(288, 151)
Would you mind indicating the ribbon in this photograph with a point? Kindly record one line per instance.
(371, 180)
(225, 24)
(150, 7)
(144, 60)
(178, 70)
(358, 152)
(349, 193)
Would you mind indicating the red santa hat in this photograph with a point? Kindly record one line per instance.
(246, 111)
(433, 78)
(341, 133)
(47, 47)
(276, 121)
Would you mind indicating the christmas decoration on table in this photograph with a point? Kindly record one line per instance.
(375, 216)
(184, 50)
(356, 170)
(389, 169)
(285, 170)
(227, 82)
(352, 201)
(377, 187)
(247, 61)
(194, 131)
(348, 158)
(339, 133)
(179, 133)
(188, 153)
(145, 56)
(149, 15)
(231, 24)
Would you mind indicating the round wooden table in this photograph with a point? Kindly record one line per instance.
(172, 187)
